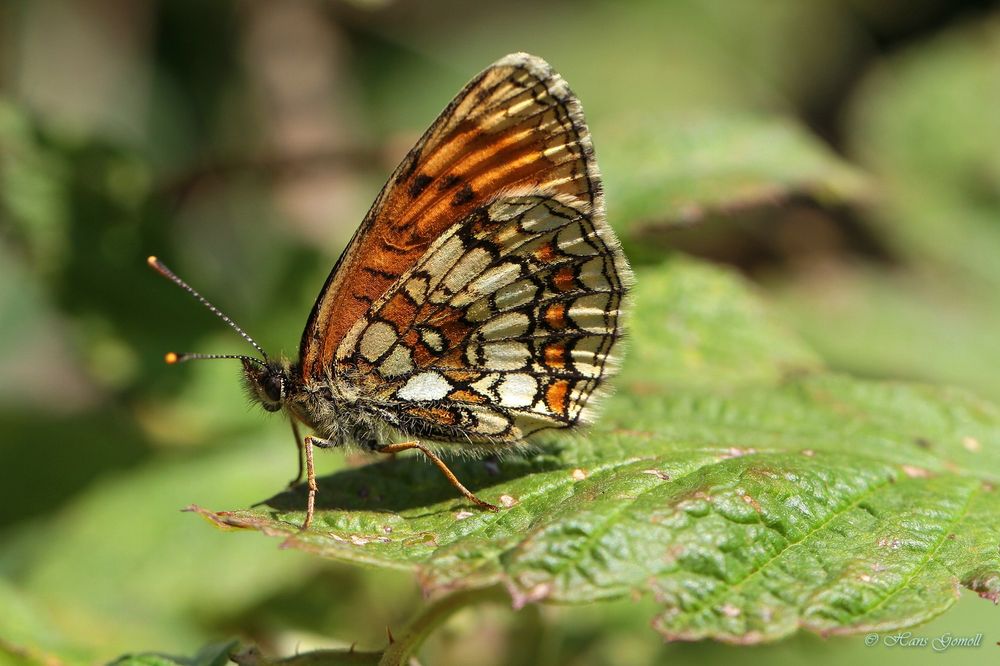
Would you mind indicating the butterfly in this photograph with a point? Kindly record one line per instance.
(478, 303)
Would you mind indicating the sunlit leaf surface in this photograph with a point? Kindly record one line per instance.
(749, 509)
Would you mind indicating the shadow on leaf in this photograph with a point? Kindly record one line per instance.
(410, 482)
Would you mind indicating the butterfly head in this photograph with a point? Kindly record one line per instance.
(268, 381)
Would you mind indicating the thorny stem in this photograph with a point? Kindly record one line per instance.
(398, 652)
(433, 616)
(253, 657)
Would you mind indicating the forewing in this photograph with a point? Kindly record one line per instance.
(516, 126)
(506, 326)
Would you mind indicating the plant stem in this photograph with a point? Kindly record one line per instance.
(398, 652)
(252, 657)
(430, 618)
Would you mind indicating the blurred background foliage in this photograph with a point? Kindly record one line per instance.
(844, 155)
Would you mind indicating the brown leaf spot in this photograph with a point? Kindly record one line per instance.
(915, 472)
(752, 502)
(730, 610)
(535, 593)
(735, 452)
(972, 444)
(657, 473)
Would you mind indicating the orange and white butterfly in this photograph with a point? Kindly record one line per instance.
(480, 300)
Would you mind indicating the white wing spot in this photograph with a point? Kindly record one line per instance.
(515, 295)
(484, 386)
(443, 258)
(509, 325)
(495, 278)
(505, 209)
(517, 390)
(587, 312)
(416, 287)
(425, 386)
(490, 422)
(540, 219)
(432, 339)
(505, 355)
(399, 362)
(573, 240)
(377, 340)
(471, 265)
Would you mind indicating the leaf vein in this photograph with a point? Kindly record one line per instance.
(608, 521)
(836, 513)
(927, 559)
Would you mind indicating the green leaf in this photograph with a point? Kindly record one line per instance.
(749, 511)
(925, 124)
(33, 187)
(210, 655)
(26, 634)
(678, 170)
(695, 326)
(948, 324)
(168, 574)
(682, 56)
(937, 152)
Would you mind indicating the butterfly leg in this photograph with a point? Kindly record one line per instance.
(307, 447)
(440, 464)
(301, 453)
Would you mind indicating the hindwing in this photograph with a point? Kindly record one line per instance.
(507, 325)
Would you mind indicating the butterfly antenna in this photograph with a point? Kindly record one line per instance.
(162, 269)
(173, 357)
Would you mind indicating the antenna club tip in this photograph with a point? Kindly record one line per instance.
(171, 358)
(152, 260)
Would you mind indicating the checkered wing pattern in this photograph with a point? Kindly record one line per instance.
(507, 325)
(515, 127)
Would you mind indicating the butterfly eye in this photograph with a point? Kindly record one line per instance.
(274, 386)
